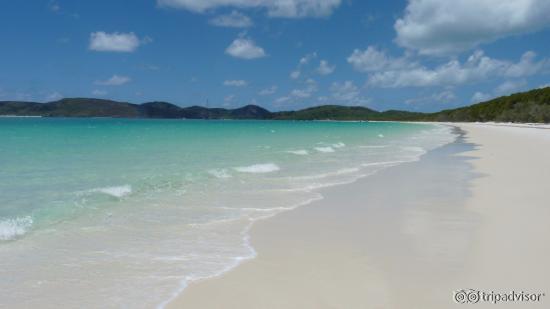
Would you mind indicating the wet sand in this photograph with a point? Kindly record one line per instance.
(470, 215)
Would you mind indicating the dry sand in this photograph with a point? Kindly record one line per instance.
(474, 214)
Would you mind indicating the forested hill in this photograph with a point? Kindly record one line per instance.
(531, 106)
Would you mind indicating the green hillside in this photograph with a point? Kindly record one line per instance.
(531, 106)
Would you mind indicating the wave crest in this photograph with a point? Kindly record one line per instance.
(258, 168)
(301, 152)
(119, 191)
(14, 227)
(219, 173)
(324, 149)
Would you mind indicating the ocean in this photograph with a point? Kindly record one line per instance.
(110, 213)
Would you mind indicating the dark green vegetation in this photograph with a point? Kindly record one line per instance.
(531, 106)
(81, 107)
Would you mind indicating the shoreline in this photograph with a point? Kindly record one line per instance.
(186, 283)
(175, 302)
(250, 284)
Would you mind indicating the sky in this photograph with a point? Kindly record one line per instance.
(418, 55)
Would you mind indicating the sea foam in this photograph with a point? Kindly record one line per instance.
(339, 145)
(301, 152)
(324, 149)
(258, 168)
(14, 227)
(119, 191)
(219, 173)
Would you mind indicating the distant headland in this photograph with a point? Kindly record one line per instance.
(530, 106)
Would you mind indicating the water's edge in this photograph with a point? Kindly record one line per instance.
(458, 135)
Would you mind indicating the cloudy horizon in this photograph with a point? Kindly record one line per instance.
(410, 55)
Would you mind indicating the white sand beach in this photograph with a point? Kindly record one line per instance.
(471, 215)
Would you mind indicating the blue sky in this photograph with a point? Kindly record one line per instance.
(421, 55)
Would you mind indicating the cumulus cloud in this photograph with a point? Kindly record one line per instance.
(309, 87)
(54, 96)
(510, 86)
(235, 83)
(282, 100)
(389, 72)
(234, 20)
(481, 97)
(506, 88)
(373, 59)
(325, 68)
(301, 93)
(305, 60)
(275, 8)
(228, 99)
(268, 91)
(99, 93)
(115, 80)
(444, 96)
(295, 74)
(448, 27)
(54, 6)
(346, 93)
(115, 42)
(245, 48)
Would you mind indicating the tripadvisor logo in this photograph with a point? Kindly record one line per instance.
(471, 296)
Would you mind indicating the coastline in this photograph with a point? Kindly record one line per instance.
(372, 249)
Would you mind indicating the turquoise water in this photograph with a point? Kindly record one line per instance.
(120, 205)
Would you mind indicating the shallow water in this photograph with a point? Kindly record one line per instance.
(95, 211)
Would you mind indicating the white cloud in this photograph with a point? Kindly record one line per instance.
(301, 63)
(275, 8)
(510, 86)
(268, 91)
(481, 97)
(228, 99)
(544, 86)
(372, 59)
(344, 91)
(447, 27)
(54, 6)
(23, 96)
(234, 20)
(506, 88)
(115, 42)
(325, 68)
(444, 96)
(115, 80)
(389, 72)
(245, 48)
(301, 93)
(54, 96)
(527, 65)
(307, 58)
(99, 93)
(309, 88)
(235, 83)
(282, 100)
(347, 93)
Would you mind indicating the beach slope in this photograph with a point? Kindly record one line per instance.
(473, 214)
